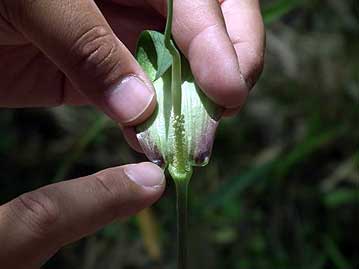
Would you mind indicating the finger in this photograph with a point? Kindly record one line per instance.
(200, 32)
(71, 95)
(35, 225)
(246, 30)
(129, 134)
(36, 69)
(230, 112)
(76, 37)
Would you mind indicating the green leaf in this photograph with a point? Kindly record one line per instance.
(309, 145)
(152, 54)
(341, 197)
(335, 254)
(237, 185)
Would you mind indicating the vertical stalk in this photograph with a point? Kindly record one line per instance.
(176, 64)
(179, 168)
(179, 158)
(182, 223)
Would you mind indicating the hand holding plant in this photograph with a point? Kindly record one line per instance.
(79, 52)
(180, 133)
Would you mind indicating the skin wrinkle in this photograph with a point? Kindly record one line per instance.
(33, 78)
(42, 216)
(62, 87)
(198, 35)
(31, 84)
(194, 24)
(88, 46)
(8, 34)
(5, 26)
(235, 37)
(99, 58)
(36, 217)
(56, 76)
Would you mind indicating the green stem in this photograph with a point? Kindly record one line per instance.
(180, 152)
(182, 223)
(179, 168)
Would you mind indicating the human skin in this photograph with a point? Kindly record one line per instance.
(79, 52)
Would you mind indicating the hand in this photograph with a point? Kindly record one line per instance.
(79, 52)
(36, 224)
(65, 52)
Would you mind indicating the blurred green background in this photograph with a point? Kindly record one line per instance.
(281, 190)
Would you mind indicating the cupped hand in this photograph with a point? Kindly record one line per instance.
(80, 52)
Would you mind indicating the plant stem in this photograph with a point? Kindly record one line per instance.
(168, 29)
(176, 65)
(179, 162)
(182, 223)
(179, 169)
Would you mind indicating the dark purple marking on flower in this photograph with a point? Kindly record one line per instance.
(203, 146)
(202, 158)
(150, 149)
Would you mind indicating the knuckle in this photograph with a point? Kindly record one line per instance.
(107, 194)
(37, 211)
(10, 10)
(102, 184)
(114, 192)
(93, 52)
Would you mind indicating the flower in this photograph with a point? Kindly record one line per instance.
(178, 141)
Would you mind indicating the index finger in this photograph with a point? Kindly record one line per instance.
(199, 29)
(245, 27)
(200, 32)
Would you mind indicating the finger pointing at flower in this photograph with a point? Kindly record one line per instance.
(34, 226)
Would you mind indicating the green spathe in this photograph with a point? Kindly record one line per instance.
(197, 123)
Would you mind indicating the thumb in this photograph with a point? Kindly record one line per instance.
(36, 224)
(77, 38)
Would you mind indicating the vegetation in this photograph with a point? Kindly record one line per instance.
(281, 190)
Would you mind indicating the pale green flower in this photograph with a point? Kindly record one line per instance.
(177, 141)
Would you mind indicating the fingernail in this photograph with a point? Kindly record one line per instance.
(145, 174)
(128, 99)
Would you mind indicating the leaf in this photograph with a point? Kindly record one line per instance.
(341, 197)
(309, 145)
(152, 54)
(335, 255)
(238, 184)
